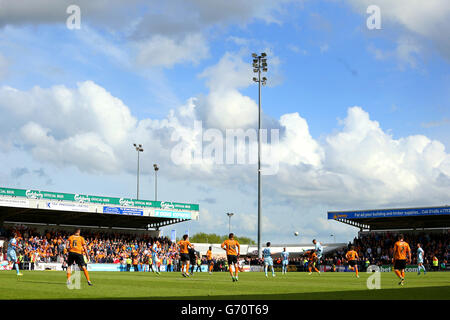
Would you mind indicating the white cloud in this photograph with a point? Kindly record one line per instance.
(297, 49)
(406, 52)
(428, 19)
(89, 128)
(247, 222)
(54, 11)
(225, 107)
(297, 146)
(100, 43)
(164, 51)
(154, 32)
(77, 126)
(140, 19)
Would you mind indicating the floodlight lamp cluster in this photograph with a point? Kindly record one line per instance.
(138, 147)
(259, 64)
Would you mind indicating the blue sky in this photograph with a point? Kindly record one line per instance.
(365, 114)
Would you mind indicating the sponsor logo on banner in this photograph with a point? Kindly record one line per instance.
(48, 266)
(409, 268)
(66, 206)
(256, 268)
(81, 198)
(172, 214)
(125, 211)
(126, 202)
(167, 205)
(14, 202)
(33, 194)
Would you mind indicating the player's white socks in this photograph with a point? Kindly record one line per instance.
(266, 269)
(422, 268)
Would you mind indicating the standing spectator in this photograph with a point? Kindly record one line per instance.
(64, 264)
(199, 264)
(128, 264)
(365, 264)
(20, 260)
(135, 263)
(169, 264)
(33, 260)
(435, 263)
(192, 256)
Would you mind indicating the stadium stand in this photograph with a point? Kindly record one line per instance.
(115, 228)
(429, 226)
(50, 246)
(376, 247)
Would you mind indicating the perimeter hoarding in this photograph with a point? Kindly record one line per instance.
(124, 211)
(82, 198)
(388, 213)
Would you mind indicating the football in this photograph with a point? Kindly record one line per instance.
(295, 233)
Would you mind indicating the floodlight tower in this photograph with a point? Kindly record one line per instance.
(155, 166)
(139, 149)
(259, 65)
(229, 214)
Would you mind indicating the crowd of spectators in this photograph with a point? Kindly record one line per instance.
(377, 249)
(50, 246)
(131, 251)
(121, 248)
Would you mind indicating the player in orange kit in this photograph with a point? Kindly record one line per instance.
(210, 260)
(402, 254)
(312, 258)
(184, 246)
(352, 258)
(76, 246)
(232, 247)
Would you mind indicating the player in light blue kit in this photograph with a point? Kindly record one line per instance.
(155, 258)
(11, 254)
(420, 255)
(319, 251)
(268, 259)
(285, 261)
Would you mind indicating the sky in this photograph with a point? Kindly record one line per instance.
(358, 100)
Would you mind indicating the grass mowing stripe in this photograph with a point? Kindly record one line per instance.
(123, 285)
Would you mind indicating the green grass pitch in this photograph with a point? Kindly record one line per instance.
(251, 286)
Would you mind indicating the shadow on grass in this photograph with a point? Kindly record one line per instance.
(401, 293)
